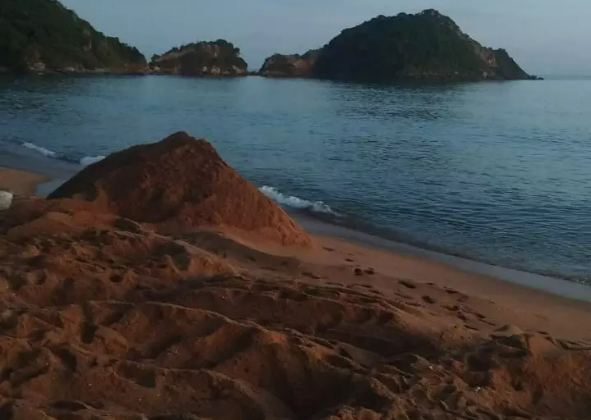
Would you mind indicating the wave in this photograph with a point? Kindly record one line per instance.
(84, 161)
(42, 150)
(89, 160)
(295, 202)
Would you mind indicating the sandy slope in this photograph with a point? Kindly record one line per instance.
(103, 318)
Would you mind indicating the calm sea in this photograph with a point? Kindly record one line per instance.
(496, 172)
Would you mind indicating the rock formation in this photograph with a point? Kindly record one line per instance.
(44, 36)
(425, 46)
(290, 65)
(219, 58)
(183, 183)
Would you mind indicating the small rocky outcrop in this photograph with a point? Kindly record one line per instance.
(290, 65)
(43, 36)
(181, 183)
(423, 46)
(218, 58)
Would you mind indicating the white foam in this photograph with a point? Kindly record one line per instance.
(39, 149)
(85, 161)
(295, 202)
(89, 160)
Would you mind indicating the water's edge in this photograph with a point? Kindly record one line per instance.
(315, 226)
(552, 285)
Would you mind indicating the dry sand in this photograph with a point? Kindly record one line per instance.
(106, 318)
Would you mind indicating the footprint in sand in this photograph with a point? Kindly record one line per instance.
(429, 299)
(408, 284)
(311, 275)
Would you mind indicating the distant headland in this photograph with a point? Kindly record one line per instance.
(423, 46)
(43, 36)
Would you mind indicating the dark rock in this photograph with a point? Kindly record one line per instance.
(290, 65)
(219, 58)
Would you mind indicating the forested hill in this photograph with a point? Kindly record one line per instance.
(426, 46)
(43, 35)
(214, 58)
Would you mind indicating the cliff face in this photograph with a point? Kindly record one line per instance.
(44, 36)
(427, 46)
(290, 65)
(505, 67)
(219, 58)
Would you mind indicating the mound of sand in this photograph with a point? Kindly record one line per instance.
(181, 182)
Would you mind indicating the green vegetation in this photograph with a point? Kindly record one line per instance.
(202, 58)
(43, 33)
(427, 45)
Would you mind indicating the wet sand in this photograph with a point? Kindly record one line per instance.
(554, 286)
(20, 182)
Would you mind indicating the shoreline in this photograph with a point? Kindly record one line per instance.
(551, 285)
(25, 182)
(503, 302)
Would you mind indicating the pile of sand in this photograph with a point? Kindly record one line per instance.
(181, 182)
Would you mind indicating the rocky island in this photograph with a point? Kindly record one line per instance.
(295, 65)
(218, 58)
(423, 46)
(44, 36)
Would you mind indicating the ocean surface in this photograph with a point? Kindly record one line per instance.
(498, 172)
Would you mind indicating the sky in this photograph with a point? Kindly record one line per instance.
(546, 37)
